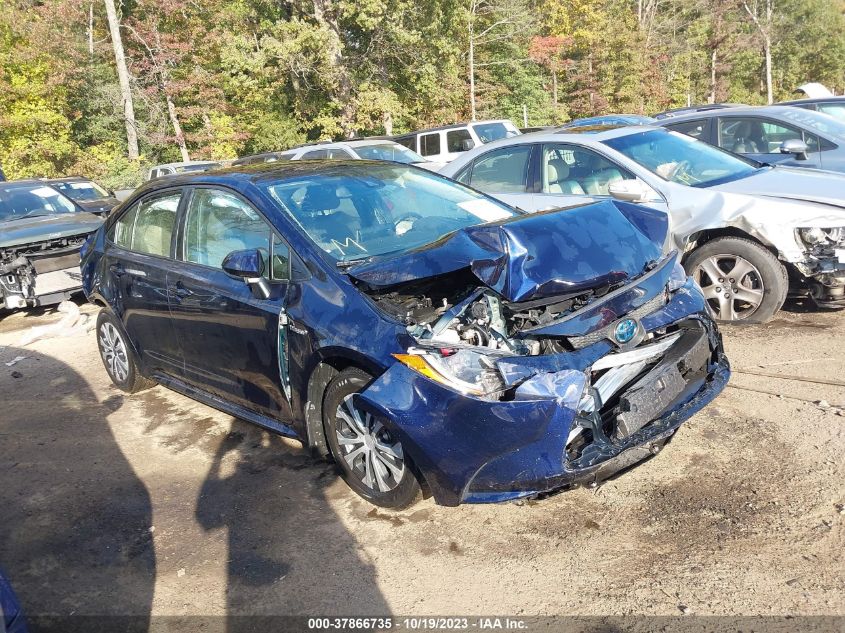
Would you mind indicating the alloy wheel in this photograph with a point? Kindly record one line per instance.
(732, 286)
(113, 352)
(368, 448)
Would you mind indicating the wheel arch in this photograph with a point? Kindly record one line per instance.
(330, 364)
(700, 238)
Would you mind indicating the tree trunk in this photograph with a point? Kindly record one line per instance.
(177, 128)
(123, 80)
(767, 45)
(91, 30)
(713, 77)
(554, 88)
(334, 48)
(472, 75)
(388, 124)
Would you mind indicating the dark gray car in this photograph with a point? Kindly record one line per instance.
(772, 134)
(41, 233)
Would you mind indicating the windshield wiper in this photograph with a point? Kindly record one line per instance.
(343, 264)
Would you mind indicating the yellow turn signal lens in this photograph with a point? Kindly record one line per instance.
(419, 364)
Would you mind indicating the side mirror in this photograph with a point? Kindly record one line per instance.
(467, 144)
(796, 147)
(629, 191)
(249, 266)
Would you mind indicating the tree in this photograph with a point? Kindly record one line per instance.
(761, 13)
(123, 79)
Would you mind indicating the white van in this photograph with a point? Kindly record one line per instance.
(445, 143)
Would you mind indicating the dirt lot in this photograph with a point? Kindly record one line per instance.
(154, 503)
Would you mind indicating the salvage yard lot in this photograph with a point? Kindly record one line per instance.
(155, 504)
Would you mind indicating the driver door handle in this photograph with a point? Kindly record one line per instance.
(181, 291)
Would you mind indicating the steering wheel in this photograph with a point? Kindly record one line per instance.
(680, 170)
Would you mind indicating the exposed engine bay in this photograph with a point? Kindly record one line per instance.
(41, 273)
(473, 344)
(824, 269)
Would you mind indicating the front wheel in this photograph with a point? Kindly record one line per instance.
(371, 458)
(741, 280)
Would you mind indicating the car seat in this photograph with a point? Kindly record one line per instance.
(557, 177)
(599, 174)
(155, 232)
(748, 138)
(321, 218)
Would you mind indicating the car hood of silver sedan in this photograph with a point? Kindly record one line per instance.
(803, 185)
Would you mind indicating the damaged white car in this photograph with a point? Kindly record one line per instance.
(41, 233)
(751, 233)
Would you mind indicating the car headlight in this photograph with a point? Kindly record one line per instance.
(814, 235)
(678, 278)
(469, 371)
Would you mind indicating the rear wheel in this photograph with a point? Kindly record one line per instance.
(371, 458)
(741, 280)
(117, 355)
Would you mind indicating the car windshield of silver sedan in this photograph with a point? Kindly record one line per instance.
(363, 211)
(678, 158)
(388, 151)
(18, 202)
(824, 123)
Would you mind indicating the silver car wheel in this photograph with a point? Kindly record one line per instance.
(369, 450)
(113, 352)
(731, 285)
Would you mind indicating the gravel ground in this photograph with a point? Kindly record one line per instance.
(156, 504)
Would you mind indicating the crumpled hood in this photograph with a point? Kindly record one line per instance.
(792, 183)
(540, 255)
(47, 227)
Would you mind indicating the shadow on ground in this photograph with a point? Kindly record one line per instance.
(76, 538)
(75, 533)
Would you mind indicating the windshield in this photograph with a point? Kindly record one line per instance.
(81, 191)
(489, 132)
(817, 121)
(18, 202)
(388, 151)
(358, 211)
(678, 158)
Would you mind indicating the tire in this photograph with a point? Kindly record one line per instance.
(118, 356)
(380, 471)
(741, 280)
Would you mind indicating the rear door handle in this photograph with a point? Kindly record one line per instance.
(117, 270)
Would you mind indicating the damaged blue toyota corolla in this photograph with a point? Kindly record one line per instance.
(422, 334)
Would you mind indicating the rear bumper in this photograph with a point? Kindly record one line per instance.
(477, 451)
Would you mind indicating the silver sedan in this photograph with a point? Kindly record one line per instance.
(750, 233)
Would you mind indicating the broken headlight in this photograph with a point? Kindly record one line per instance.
(469, 371)
(814, 236)
(678, 277)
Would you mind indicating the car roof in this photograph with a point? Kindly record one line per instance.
(26, 182)
(453, 126)
(241, 176)
(772, 110)
(187, 163)
(67, 179)
(704, 107)
(813, 100)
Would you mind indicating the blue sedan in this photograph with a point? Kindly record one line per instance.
(424, 335)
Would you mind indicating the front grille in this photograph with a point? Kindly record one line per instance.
(652, 305)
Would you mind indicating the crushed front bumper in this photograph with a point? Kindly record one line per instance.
(471, 450)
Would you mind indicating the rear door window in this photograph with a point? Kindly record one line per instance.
(315, 154)
(430, 144)
(503, 170)
(147, 227)
(694, 129)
